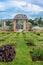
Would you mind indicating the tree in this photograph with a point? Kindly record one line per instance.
(31, 21)
(36, 21)
(8, 23)
(40, 21)
(0, 25)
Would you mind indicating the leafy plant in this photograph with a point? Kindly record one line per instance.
(0, 25)
(38, 52)
(8, 23)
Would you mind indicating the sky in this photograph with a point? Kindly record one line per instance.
(31, 8)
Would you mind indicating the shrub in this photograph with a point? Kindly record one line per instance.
(0, 25)
(38, 32)
(38, 52)
(7, 53)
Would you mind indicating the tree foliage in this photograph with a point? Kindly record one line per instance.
(0, 25)
(8, 23)
(36, 21)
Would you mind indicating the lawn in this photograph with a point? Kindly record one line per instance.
(22, 56)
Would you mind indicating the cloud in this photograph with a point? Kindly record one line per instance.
(34, 8)
(23, 5)
(17, 4)
(2, 6)
(12, 7)
(39, 1)
(26, 6)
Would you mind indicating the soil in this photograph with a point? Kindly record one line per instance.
(2, 40)
(40, 40)
(26, 40)
(15, 37)
(35, 58)
(38, 34)
(30, 44)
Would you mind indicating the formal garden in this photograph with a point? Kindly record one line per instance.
(21, 48)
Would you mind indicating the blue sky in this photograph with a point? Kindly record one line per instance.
(32, 8)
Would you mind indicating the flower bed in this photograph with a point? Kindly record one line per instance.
(7, 53)
(37, 54)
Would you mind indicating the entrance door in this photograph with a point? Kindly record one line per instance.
(19, 25)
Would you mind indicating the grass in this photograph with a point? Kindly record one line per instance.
(22, 56)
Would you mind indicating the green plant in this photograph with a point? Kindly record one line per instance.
(38, 52)
(8, 23)
(0, 25)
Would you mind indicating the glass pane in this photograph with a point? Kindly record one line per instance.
(19, 24)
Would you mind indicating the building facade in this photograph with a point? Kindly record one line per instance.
(20, 23)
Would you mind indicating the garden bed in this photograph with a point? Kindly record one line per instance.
(7, 53)
(35, 58)
(30, 44)
(37, 54)
(2, 40)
